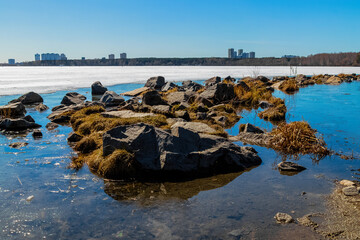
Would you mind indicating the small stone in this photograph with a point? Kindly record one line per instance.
(51, 126)
(283, 218)
(30, 198)
(350, 191)
(347, 183)
(290, 166)
(18, 144)
(37, 134)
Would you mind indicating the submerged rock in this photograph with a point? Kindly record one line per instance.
(249, 128)
(41, 107)
(181, 151)
(283, 218)
(290, 166)
(97, 88)
(18, 144)
(29, 98)
(37, 134)
(51, 126)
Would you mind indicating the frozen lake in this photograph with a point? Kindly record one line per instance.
(19, 80)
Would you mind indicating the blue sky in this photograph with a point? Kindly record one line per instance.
(176, 28)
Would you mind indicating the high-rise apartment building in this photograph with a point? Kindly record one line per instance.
(122, 55)
(240, 52)
(252, 54)
(11, 61)
(231, 53)
(111, 56)
(37, 57)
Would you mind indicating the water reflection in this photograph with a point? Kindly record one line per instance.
(150, 193)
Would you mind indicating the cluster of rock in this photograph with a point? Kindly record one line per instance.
(13, 115)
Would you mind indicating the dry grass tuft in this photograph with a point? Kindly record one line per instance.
(289, 86)
(276, 113)
(298, 138)
(87, 144)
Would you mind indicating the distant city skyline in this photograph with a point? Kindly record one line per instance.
(162, 28)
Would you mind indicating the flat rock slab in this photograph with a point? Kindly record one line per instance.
(350, 191)
(126, 114)
(290, 166)
(195, 127)
(135, 92)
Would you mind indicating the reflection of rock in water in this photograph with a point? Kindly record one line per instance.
(148, 193)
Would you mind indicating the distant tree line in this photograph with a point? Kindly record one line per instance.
(323, 59)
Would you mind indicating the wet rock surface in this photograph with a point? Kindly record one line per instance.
(73, 98)
(97, 88)
(290, 167)
(283, 218)
(29, 98)
(18, 144)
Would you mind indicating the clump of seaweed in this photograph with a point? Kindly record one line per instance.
(298, 138)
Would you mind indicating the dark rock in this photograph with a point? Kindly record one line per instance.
(265, 104)
(183, 115)
(29, 98)
(249, 128)
(212, 81)
(74, 137)
(111, 99)
(41, 107)
(301, 78)
(153, 98)
(279, 78)
(51, 126)
(97, 88)
(175, 98)
(190, 85)
(203, 101)
(290, 166)
(18, 144)
(244, 86)
(283, 218)
(17, 124)
(29, 119)
(221, 119)
(13, 110)
(263, 79)
(202, 108)
(219, 93)
(73, 98)
(168, 86)
(181, 151)
(155, 82)
(230, 79)
(37, 133)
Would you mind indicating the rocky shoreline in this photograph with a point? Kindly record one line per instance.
(169, 131)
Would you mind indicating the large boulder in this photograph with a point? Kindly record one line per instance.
(17, 124)
(334, 80)
(73, 98)
(155, 82)
(175, 98)
(111, 99)
(153, 98)
(97, 88)
(12, 110)
(219, 93)
(212, 81)
(29, 98)
(182, 151)
(41, 107)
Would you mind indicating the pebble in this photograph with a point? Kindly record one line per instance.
(30, 198)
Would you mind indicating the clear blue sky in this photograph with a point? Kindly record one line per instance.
(176, 28)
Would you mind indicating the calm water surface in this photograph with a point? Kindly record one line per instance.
(78, 205)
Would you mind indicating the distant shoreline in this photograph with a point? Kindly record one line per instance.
(325, 59)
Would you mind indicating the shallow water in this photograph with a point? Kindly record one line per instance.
(78, 205)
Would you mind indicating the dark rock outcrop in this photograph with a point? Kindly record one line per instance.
(155, 82)
(190, 85)
(37, 134)
(111, 99)
(29, 98)
(13, 110)
(17, 124)
(181, 151)
(74, 137)
(212, 81)
(97, 88)
(153, 98)
(219, 93)
(73, 98)
(168, 86)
